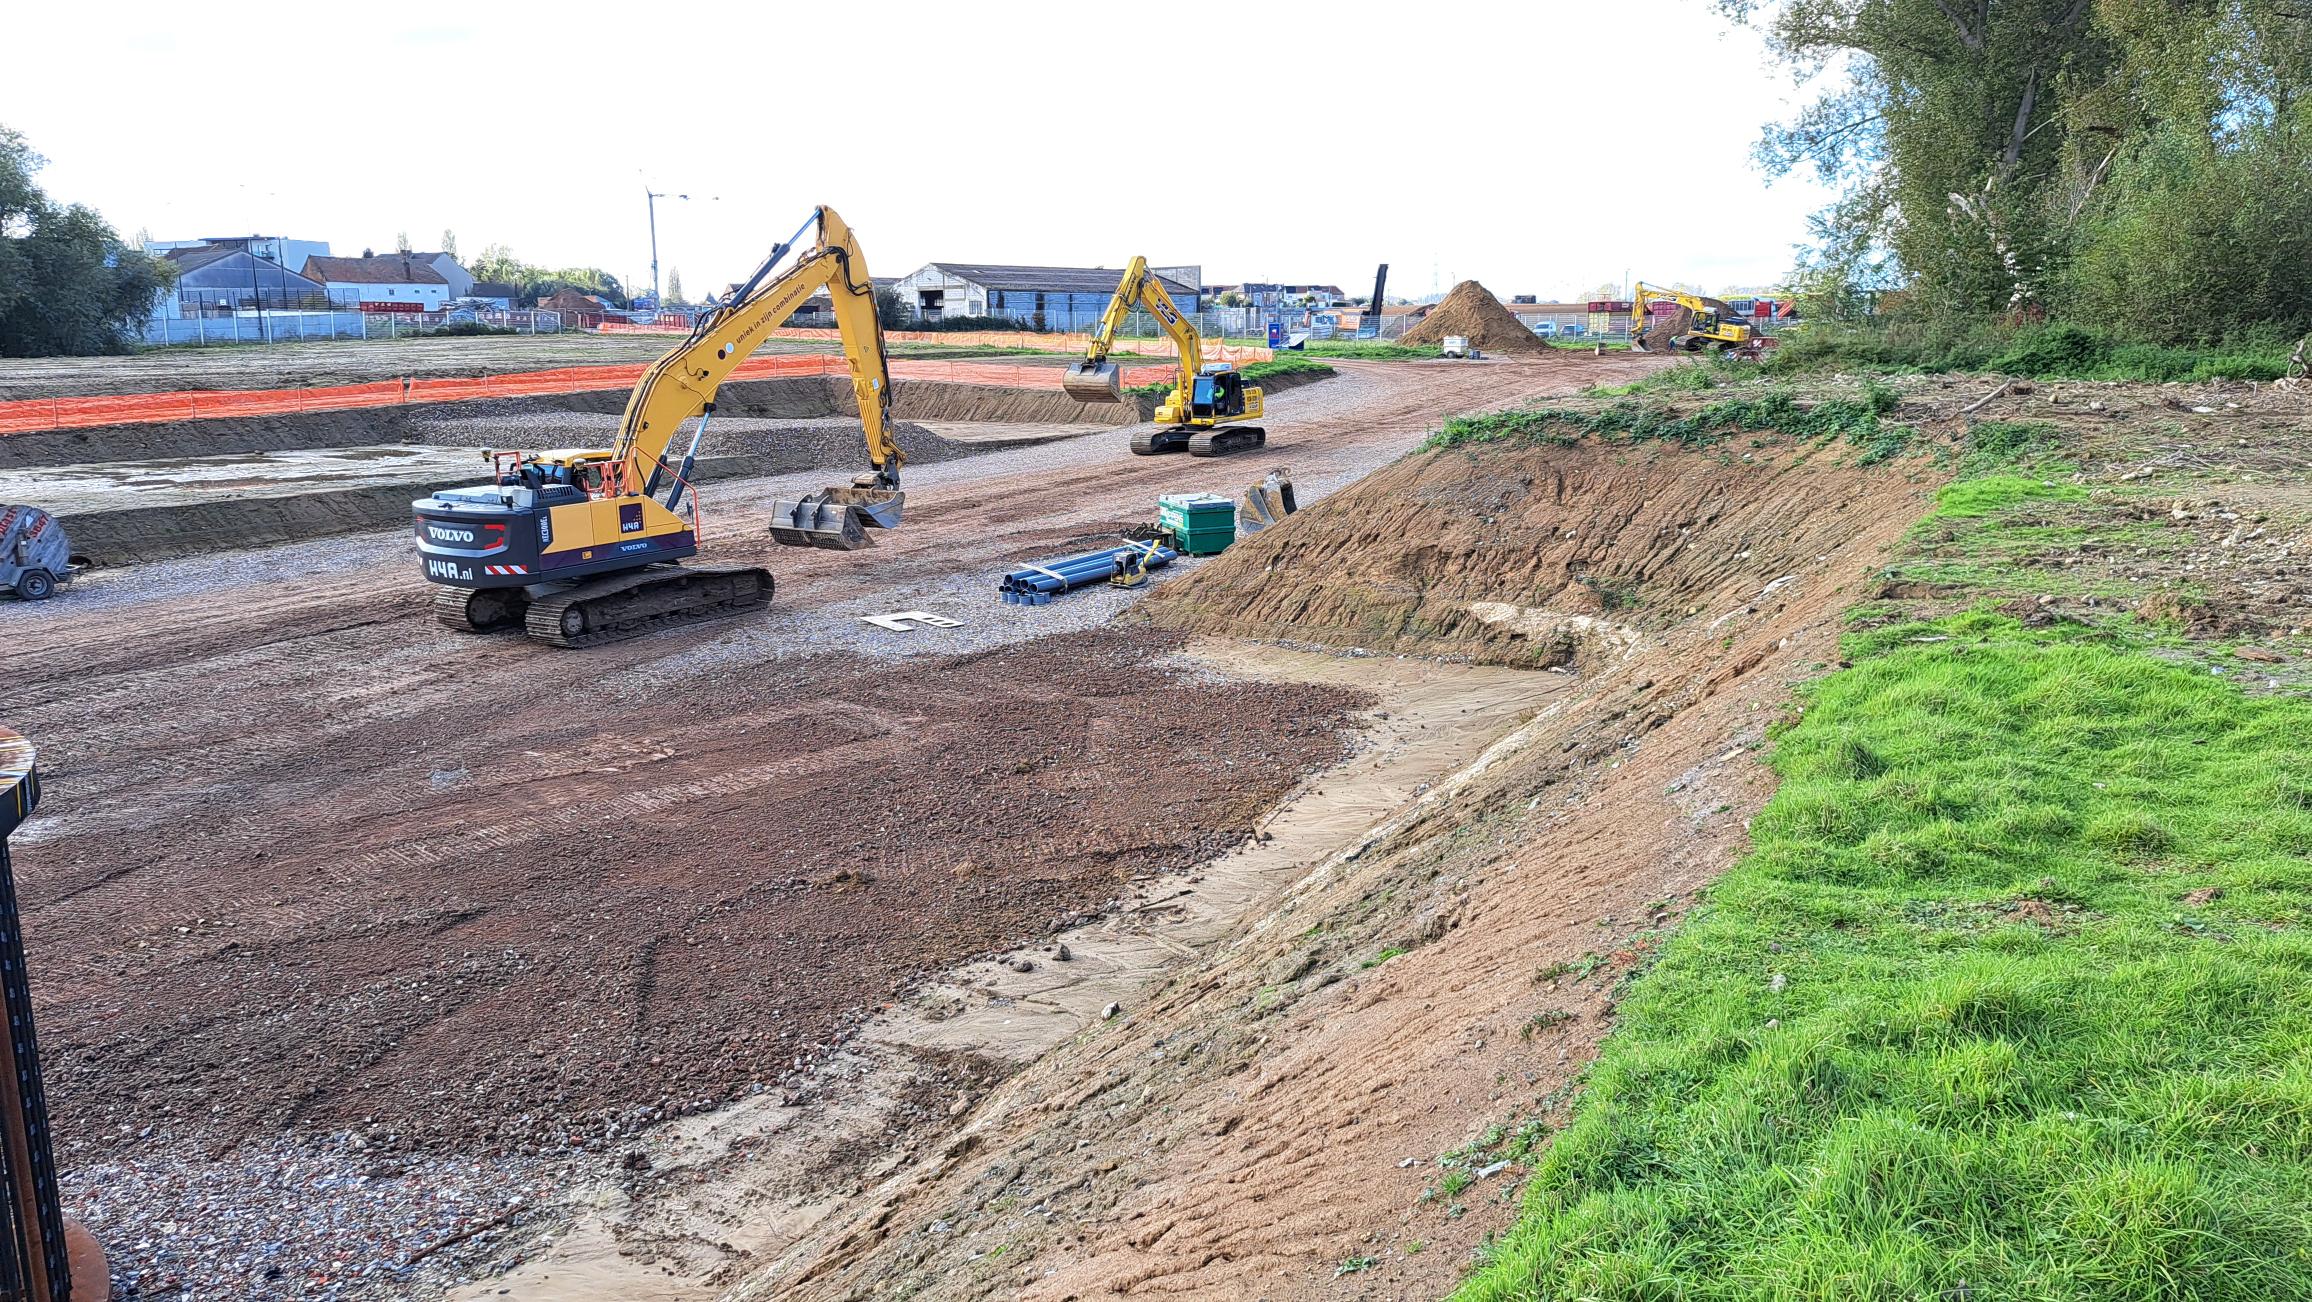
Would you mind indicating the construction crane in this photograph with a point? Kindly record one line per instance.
(1195, 415)
(582, 545)
(1713, 325)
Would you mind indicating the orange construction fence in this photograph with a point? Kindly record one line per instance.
(1025, 340)
(30, 415)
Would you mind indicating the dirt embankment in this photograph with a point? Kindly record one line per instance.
(801, 398)
(1526, 560)
(1279, 1109)
(1472, 312)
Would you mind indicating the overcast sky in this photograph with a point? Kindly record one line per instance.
(1540, 147)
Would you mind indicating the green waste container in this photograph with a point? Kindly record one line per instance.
(1200, 523)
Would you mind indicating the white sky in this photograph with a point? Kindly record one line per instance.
(1509, 142)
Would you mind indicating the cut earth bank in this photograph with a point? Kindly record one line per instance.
(1373, 989)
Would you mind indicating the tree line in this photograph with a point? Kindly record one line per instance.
(68, 285)
(2138, 166)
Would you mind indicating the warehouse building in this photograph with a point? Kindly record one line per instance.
(1037, 298)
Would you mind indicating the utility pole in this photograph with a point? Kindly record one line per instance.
(651, 197)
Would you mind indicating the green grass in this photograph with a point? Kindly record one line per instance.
(2058, 351)
(1857, 420)
(1364, 349)
(2038, 902)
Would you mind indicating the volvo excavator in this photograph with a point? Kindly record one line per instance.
(584, 545)
(1199, 412)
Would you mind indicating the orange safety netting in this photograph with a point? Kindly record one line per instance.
(1024, 340)
(28, 415)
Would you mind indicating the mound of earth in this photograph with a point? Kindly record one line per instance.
(1472, 312)
(1535, 556)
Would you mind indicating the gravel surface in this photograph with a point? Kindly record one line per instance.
(316, 1221)
(832, 441)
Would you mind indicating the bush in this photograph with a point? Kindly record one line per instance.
(2058, 351)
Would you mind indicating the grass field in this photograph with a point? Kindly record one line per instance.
(2008, 1000)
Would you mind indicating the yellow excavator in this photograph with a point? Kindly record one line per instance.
(582, 545)
(1205, 401)
(1712, 324)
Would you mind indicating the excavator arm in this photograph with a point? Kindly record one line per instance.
(1095, 379)
(682, 384)
(1712, 321)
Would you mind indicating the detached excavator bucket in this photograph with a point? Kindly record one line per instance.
(1094, 382)
(835, 518)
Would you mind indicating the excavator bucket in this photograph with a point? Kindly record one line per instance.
(1094, 382)
(835, 518)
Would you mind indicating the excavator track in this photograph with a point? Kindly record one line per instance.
(1224, 439)
(1157, 440)
(479, 610)
(620, 606)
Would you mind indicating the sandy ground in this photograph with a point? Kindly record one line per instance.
(367, 827)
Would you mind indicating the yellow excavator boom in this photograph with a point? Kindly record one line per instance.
(1095, 379)
(1712, 321)
(682, 384)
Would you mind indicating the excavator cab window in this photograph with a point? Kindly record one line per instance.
(1218, 395)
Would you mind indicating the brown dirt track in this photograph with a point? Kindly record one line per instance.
(309, 859)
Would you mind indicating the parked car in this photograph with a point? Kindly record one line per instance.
(1545, 329)
(1573, 330)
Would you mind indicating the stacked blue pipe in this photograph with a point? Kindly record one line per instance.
(1036, 585)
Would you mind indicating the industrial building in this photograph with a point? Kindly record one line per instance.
(1039, 298)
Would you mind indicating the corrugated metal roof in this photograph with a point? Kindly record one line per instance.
(1051, 280)
(392, 269)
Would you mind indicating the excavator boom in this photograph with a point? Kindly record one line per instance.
(682, 384)
(1096, 379)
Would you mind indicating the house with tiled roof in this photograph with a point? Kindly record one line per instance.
(386, 282)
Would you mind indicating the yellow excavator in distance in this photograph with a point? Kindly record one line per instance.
(1204, 400)
(581, 545)
(1713, 326)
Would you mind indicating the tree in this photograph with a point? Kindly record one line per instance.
(1610, 291)
(891, 308)
(68, 286)
(450, 243)
(401, 242)
(2082, 157)
(674, 285)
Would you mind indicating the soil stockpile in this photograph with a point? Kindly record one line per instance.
(1472, 312)
(1517, 555)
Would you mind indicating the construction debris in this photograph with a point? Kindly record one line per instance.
(1472, 312)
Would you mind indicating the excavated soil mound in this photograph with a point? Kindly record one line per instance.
(1538, 556)
(1472, 312)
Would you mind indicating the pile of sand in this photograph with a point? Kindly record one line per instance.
(1472, 312)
